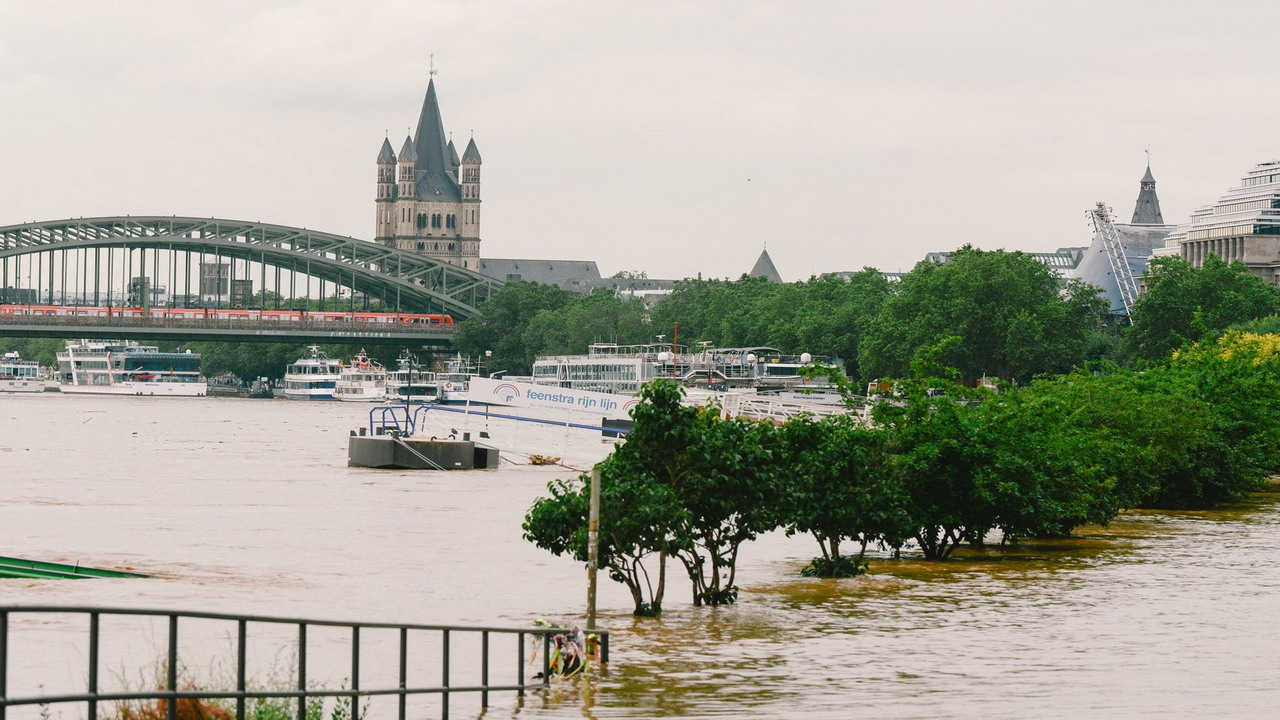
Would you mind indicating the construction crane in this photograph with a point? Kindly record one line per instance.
(1115, 253)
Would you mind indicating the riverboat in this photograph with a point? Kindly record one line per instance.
(18, 375)
(123, 367)
(623, 369)
(454, 384)
(410, 384)
(364, 380)
(314, 377)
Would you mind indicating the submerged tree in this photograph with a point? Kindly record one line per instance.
(837, 487)
(635, 515)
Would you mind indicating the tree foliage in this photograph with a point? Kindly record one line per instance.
(1183, 304)
(501, 325)
(1013, 317)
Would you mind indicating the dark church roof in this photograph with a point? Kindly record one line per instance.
(764, 268)
(435, 171)
(472, 153)
(1147, 211)
(386, 155)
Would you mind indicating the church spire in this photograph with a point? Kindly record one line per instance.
(435, 178)
(1147, 211)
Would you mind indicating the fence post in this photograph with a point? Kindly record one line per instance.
(484, 668)
(172, 709)
(444, 696)
(302, 671)
(404, 671)
(93, 665)
(241, 638)
(355, 671)
(4, 660)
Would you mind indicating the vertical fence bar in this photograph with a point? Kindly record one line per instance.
(241, 637)
(604, 648)
(355, 670)
(444, 696)
(520, 665)
(4, 660)
(172, 706)
(546, 659)
(94, 628)
(404, 670)
(302, 670)
(484, 668)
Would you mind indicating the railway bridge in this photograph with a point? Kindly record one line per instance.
(213, 263)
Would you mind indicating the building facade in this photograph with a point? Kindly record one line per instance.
(428, 199)
(1244, 224)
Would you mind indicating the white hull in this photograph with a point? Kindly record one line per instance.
(369, 394)
(316, 394)
(142, 389)
(21, 386)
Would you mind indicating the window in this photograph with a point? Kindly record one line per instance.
(451, 221)
(422, 220)
(422, 246)
(435, 220)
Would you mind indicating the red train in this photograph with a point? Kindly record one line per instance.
(435, 319)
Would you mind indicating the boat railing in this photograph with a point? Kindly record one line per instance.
(29, 633)
(384, 419)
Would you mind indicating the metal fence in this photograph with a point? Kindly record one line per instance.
(171, 692)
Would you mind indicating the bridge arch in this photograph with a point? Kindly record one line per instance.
(400, 279)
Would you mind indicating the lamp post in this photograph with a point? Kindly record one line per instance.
(593, 546)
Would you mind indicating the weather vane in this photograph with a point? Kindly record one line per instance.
(432, 70)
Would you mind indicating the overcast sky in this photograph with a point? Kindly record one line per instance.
(673, 137)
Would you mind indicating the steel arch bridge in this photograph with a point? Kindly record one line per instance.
(399, 279)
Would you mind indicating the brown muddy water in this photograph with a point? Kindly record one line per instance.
(245, 506)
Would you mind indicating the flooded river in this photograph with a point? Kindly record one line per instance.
(246, 506)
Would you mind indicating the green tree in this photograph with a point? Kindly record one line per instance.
(502, 322)
(1013, 316)
(597, 317)
(635, 516)
(1184, 304)
(837, 487)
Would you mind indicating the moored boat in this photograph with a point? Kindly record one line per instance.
(314, 377)
(410, 384)
(18, 375)
(123, 367)
(364, 380)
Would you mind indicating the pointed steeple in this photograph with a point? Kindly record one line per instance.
(1147, 211)
(764, 268)
(407, 151)
(472, 153)
(434, 169)
(386, 154)
(453, 154)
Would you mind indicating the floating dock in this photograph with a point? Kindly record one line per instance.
(390, 450)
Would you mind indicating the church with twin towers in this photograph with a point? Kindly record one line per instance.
(428, 199)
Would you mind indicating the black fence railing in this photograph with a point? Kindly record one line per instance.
(173, 688)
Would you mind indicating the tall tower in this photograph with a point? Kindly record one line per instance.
(432, 213)
(1147, 211)
(385, 202)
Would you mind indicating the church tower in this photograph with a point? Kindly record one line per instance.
(433, 208)
(1147, 211)
(385, 202)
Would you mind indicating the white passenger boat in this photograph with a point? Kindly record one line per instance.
(410, 384)
(18, 375)
(455, 382)
(123, 367)
(364, 380)
(622, 369)
(314, 377)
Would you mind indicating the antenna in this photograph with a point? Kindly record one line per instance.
(432, 71)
